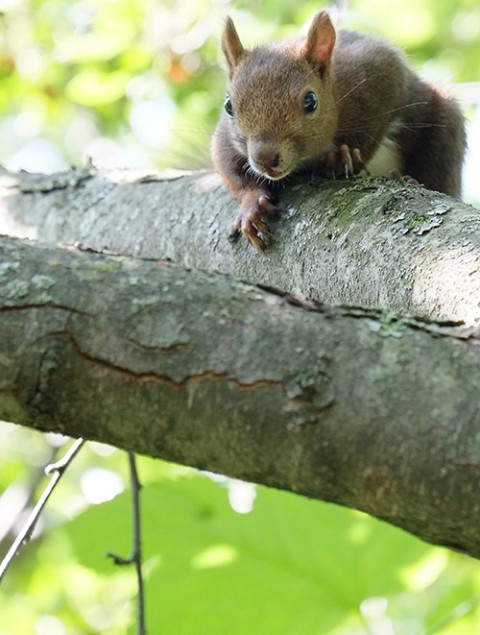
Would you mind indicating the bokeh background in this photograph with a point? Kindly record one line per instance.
(139, 83)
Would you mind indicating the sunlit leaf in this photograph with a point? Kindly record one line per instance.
(92, 87)
(290, 566)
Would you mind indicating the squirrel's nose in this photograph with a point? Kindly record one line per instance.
(268, 158)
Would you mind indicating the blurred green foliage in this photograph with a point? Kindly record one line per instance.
(286, 565)
(140, 83)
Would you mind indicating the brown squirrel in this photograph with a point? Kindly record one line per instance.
(331, 103)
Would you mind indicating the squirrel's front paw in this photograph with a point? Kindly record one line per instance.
(405, 178)
(249, 221)
(345, 161)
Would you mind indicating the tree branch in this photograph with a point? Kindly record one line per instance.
(135, 557)
(56, 470)
(366, 241)
(347, 405)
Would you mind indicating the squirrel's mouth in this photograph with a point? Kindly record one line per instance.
(272, 172)
(274, 175)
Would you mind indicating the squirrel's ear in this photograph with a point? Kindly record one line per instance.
(231, 46)
(320, 40)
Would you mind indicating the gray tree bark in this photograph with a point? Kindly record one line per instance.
(350, 405)
(372, 242)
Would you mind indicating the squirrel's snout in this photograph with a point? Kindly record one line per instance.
(268, 160)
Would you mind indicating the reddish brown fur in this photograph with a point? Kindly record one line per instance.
(365, 93)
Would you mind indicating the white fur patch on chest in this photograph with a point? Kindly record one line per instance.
(386, 159)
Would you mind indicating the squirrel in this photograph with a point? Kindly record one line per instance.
(329, 103)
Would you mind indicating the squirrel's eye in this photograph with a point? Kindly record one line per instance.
(310, 102)
(227, 104)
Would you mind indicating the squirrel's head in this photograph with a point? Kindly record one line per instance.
(281, 100)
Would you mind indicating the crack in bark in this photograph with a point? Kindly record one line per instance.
(468, 466)
(159, 349)
(109, 253)
(44, 184)
(152, 376)
(436, 328)
(44, 305)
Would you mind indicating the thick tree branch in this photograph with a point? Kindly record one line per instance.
(369, 242)
(345, 405)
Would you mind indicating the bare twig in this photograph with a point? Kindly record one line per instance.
(56, 470)
(136, 556)
(7, 525)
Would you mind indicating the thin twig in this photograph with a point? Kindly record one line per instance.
(32, 487)
(56, 470)
(136, 556)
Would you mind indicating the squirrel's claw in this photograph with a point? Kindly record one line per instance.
(344, 161)
(352, 160)
(398, 176)
(346, 158)
(358, 163)
(249, 220)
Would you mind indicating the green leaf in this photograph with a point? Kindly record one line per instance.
(92, 87)
(292, 565)
(94, 47)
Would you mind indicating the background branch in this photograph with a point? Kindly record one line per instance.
(56, 470)
(135, 557)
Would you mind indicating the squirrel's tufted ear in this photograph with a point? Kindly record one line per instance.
(231, 46)
(320, 40)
